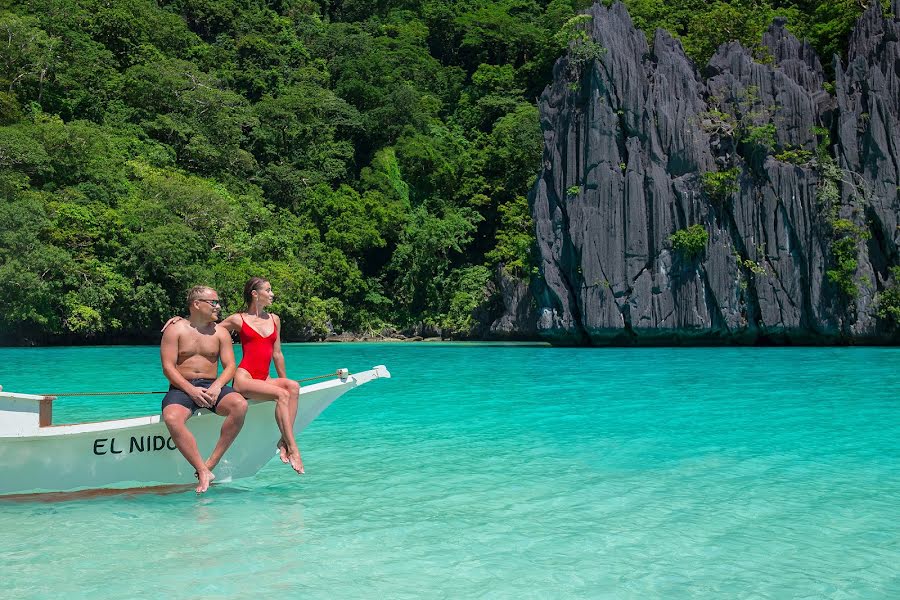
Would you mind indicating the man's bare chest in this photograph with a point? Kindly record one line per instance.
(197, 344)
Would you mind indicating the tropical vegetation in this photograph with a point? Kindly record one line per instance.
(372, 159)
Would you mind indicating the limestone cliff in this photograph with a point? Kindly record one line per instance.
(790, 184)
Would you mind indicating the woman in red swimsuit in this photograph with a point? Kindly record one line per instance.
(260, 334)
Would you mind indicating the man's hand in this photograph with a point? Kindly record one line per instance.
(213, 392)
(200, 396)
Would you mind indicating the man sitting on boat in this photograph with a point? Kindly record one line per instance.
(190, 352)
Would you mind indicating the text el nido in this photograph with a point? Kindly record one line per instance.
(145, 443)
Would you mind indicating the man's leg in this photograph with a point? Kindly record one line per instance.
(175, 417)
(234, 408)
(285, 393)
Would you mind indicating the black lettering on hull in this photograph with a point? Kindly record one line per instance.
(136, 445)
(98, 445)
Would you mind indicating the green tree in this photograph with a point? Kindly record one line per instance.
(500, 32)
(303, 138)
(493, 93)
(721, 22)
(28, 54)
(423, 260)
(515, 238)
(469, 294)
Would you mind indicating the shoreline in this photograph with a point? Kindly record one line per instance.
(362, 340)
(337, 340)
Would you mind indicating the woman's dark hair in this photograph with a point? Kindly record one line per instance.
(254, 283)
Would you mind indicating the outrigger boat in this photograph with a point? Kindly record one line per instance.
(39, 457)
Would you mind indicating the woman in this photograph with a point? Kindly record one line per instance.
(260, 335)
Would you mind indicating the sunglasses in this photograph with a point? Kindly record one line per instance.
(213, 303)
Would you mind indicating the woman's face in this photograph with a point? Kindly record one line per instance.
(264, 295)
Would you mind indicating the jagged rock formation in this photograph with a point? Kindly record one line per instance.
(628, 147)
(868, 142)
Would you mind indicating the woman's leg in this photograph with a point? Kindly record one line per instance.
(288, 441)
(293, 389)
(285, 393)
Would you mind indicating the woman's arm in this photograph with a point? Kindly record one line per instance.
(174, 319)
(277, 355)
(232, 323)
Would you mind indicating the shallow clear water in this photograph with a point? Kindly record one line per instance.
(504, 471)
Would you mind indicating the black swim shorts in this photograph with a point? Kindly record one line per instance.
(177, 396)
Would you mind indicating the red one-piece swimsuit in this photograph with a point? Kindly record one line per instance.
(257, 351)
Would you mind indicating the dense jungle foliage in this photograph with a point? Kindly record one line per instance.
(371, 157)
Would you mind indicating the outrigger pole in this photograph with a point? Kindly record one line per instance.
(340, 373)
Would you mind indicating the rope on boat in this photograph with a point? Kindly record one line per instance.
(342, 373)
(100, 394)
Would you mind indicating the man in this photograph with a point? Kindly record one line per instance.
(190, 352)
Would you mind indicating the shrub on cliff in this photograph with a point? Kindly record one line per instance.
(847, 236)
(887, 303)
(690, 242)
(719, 186)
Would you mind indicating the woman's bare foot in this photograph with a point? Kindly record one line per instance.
(296, 463)
(283, 451)
(206, 477)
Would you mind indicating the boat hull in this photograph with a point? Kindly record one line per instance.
(140, 453)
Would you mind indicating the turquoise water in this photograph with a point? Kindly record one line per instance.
(486, 471)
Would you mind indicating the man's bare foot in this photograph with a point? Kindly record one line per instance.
(296, 463)
(206, 477)
(283, 452)
(209, 466)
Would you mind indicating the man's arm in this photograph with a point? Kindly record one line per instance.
(277, 354)
(168, 355)
(226, 355)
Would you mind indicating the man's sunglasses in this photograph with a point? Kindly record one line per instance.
(213, 303)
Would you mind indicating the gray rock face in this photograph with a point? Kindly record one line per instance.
(868, 145)
(516, 322)
(627, 149)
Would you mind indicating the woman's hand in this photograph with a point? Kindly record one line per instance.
(174, 319)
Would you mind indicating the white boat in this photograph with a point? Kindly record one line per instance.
(39, 457)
